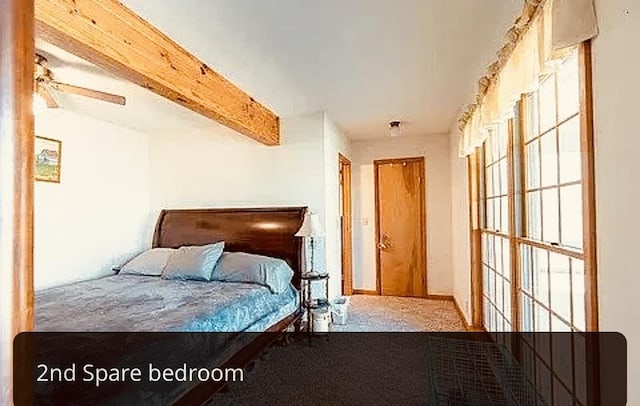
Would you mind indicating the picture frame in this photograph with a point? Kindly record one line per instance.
(48, 154)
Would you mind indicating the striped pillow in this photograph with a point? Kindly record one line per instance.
(193, 262)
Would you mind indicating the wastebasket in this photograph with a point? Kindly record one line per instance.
(339, 310)
(320, 320)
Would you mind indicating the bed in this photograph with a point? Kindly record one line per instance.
(128, 303)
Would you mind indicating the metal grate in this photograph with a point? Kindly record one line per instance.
(473, 373)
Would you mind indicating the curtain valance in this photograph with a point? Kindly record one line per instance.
(545, 33)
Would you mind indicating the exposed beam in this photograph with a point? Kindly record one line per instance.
(16, 181)
(109, 35)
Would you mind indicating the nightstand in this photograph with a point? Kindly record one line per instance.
(313, 304)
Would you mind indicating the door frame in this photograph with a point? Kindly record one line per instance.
(423, 218)
(346, 227)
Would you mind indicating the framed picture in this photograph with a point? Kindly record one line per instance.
(48, 153)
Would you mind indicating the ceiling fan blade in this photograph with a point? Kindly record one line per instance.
(47, 96)
(82, 91)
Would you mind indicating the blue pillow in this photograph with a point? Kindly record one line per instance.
(274, 273)
(193, 262)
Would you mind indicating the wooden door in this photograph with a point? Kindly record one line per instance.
(400, 227)
(345, 224)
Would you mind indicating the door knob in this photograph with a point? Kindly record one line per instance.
(384, 242)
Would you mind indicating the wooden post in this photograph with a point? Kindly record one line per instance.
(16, 180)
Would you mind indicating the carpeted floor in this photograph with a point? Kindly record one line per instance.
(390, 314)
(389, 368)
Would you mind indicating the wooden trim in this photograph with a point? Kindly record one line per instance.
(467, 326)
(423, 219)
(448, 298)
(109, 35)
(588, 186)
(550, 247)
(477, 318)
(16, 181)
(347, 224)
(513, 243)
(365, 292)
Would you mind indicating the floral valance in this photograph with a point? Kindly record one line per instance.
(545, 32)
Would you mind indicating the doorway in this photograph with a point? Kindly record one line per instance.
(346, 228)
(400, 227)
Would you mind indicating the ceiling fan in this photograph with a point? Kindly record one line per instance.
(45, 83)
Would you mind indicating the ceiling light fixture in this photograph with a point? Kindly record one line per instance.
(394, 129)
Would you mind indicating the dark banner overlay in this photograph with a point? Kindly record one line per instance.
(338, 368)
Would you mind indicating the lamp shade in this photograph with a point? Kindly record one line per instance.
(311, 226)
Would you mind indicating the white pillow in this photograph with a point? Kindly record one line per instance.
(151, 262)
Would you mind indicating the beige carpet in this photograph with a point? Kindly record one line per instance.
(390, 314)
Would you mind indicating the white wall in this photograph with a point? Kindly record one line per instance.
(97, 215)
(435, 150)
(335, 142)
(224, 169)
(460, 232)
(616, 86)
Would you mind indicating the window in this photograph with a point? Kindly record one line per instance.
(531, 190)
(496, 261)
(551, 252)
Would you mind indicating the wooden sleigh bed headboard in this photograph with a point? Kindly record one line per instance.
(265, 231)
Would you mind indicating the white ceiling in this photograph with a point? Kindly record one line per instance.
(365, 62)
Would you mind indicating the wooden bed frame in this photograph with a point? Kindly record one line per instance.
(265, 231)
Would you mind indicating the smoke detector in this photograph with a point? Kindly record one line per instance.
(394, 129)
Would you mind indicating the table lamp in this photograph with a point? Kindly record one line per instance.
(311, 228)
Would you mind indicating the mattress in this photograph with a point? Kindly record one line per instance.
(149, 303)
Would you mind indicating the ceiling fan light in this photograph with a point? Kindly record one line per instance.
(39, 104)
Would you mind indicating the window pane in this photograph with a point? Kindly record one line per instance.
(542, 318)
(571, 215)
(506, 258)
(495, 144)
(549, 159)
(558, 325)
(507, 301)
(533, 165)
(504, 180)
(498, 248)
(490, 221)
(568, 89)
(560, 285)
(550, 216)
(547, 94)
(503, 133)
(525, 267)
(504, 213)
(497, 187)
(499, 293)
(490, 253)
(532, 117)
(570, 157)
(579, 303)
(534, 219)
(527, 313)
(541, 276)
(488, 151)
(489, 182)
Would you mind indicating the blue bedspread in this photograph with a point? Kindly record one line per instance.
(148, 303)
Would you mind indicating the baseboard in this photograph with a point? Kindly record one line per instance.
(365, 292)
(448, 298)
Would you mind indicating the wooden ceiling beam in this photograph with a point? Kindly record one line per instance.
(109, 35)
